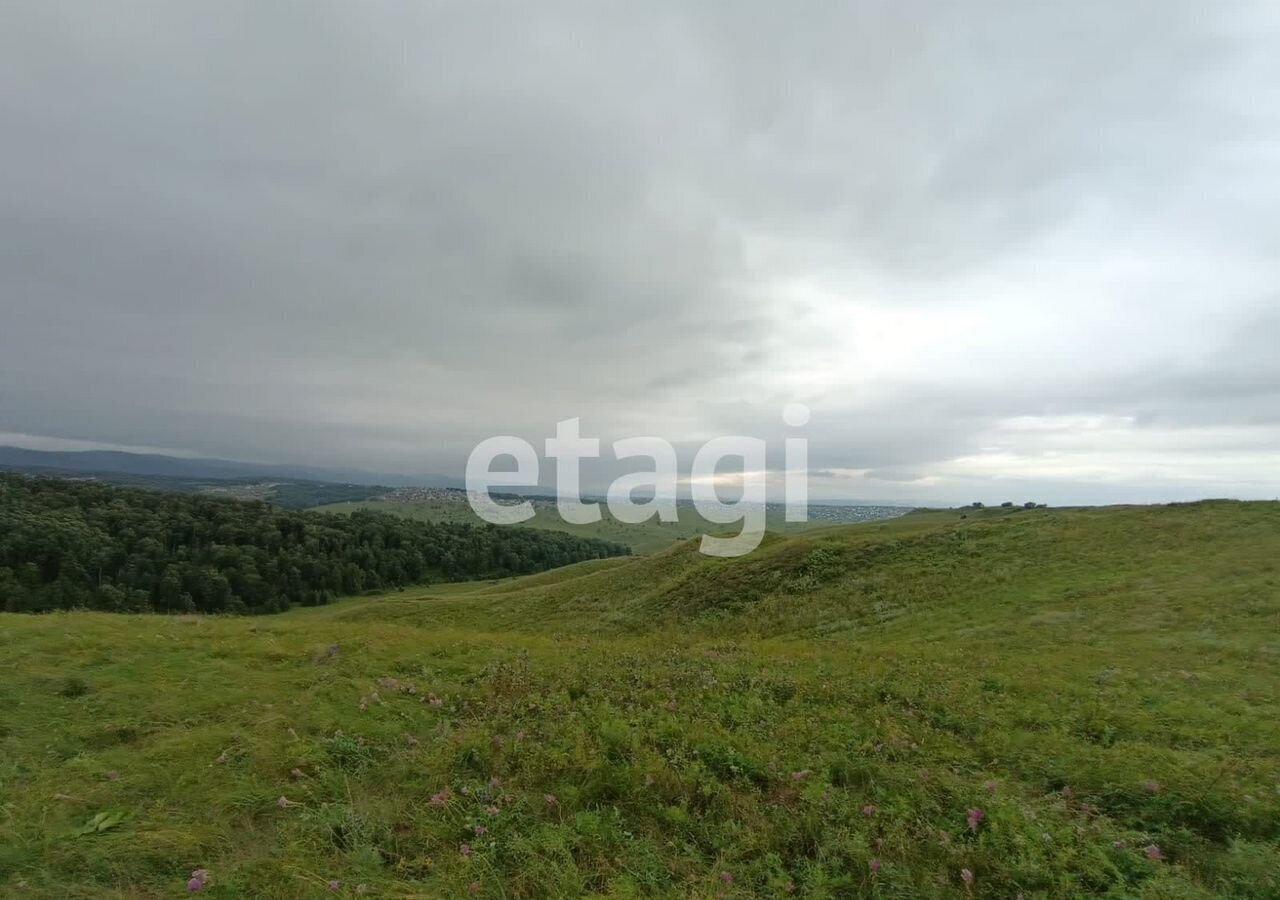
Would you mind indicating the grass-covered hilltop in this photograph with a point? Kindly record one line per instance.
(1039, 703)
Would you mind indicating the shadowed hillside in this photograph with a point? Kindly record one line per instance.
(930, 570)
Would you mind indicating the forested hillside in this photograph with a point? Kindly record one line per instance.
(67, 544)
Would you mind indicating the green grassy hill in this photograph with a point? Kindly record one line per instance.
(1045, 703)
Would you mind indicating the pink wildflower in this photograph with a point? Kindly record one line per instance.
(334, 885)
(1151, 787)
(1153, 852)
(439, 798)
(726, 877)
(875, 865)
(966, 875)
(976, 816)
(465, 849)
(195, 884)
(869, 809)
(283, 802)
(991, 785)
(480, 829)
(802, 774)
(550, 798)
(492, 810)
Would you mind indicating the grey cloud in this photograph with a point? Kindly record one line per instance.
(374, 233)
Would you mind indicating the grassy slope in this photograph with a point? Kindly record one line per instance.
(647, 537)
(1087, 678)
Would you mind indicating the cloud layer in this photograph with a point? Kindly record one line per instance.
(1004, 248)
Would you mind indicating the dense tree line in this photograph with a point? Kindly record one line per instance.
(67, 544)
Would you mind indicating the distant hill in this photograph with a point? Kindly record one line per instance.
(92, 462)
(443, 505)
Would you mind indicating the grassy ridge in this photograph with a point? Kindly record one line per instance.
(820, 719)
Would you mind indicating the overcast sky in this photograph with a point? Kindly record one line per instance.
(1003, 250)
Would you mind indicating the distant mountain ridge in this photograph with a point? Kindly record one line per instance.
(89, 462)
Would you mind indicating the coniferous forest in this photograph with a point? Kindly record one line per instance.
(81, 544)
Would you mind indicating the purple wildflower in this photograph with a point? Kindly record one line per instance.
(334, 885)
(875, 865)
(991, 785)
(465, 849)
(869, 809)
(726, 877)
(1153, 852)
(439, 798)
(195, 884)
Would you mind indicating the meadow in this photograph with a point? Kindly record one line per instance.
(1039, 703)
(648, 537)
